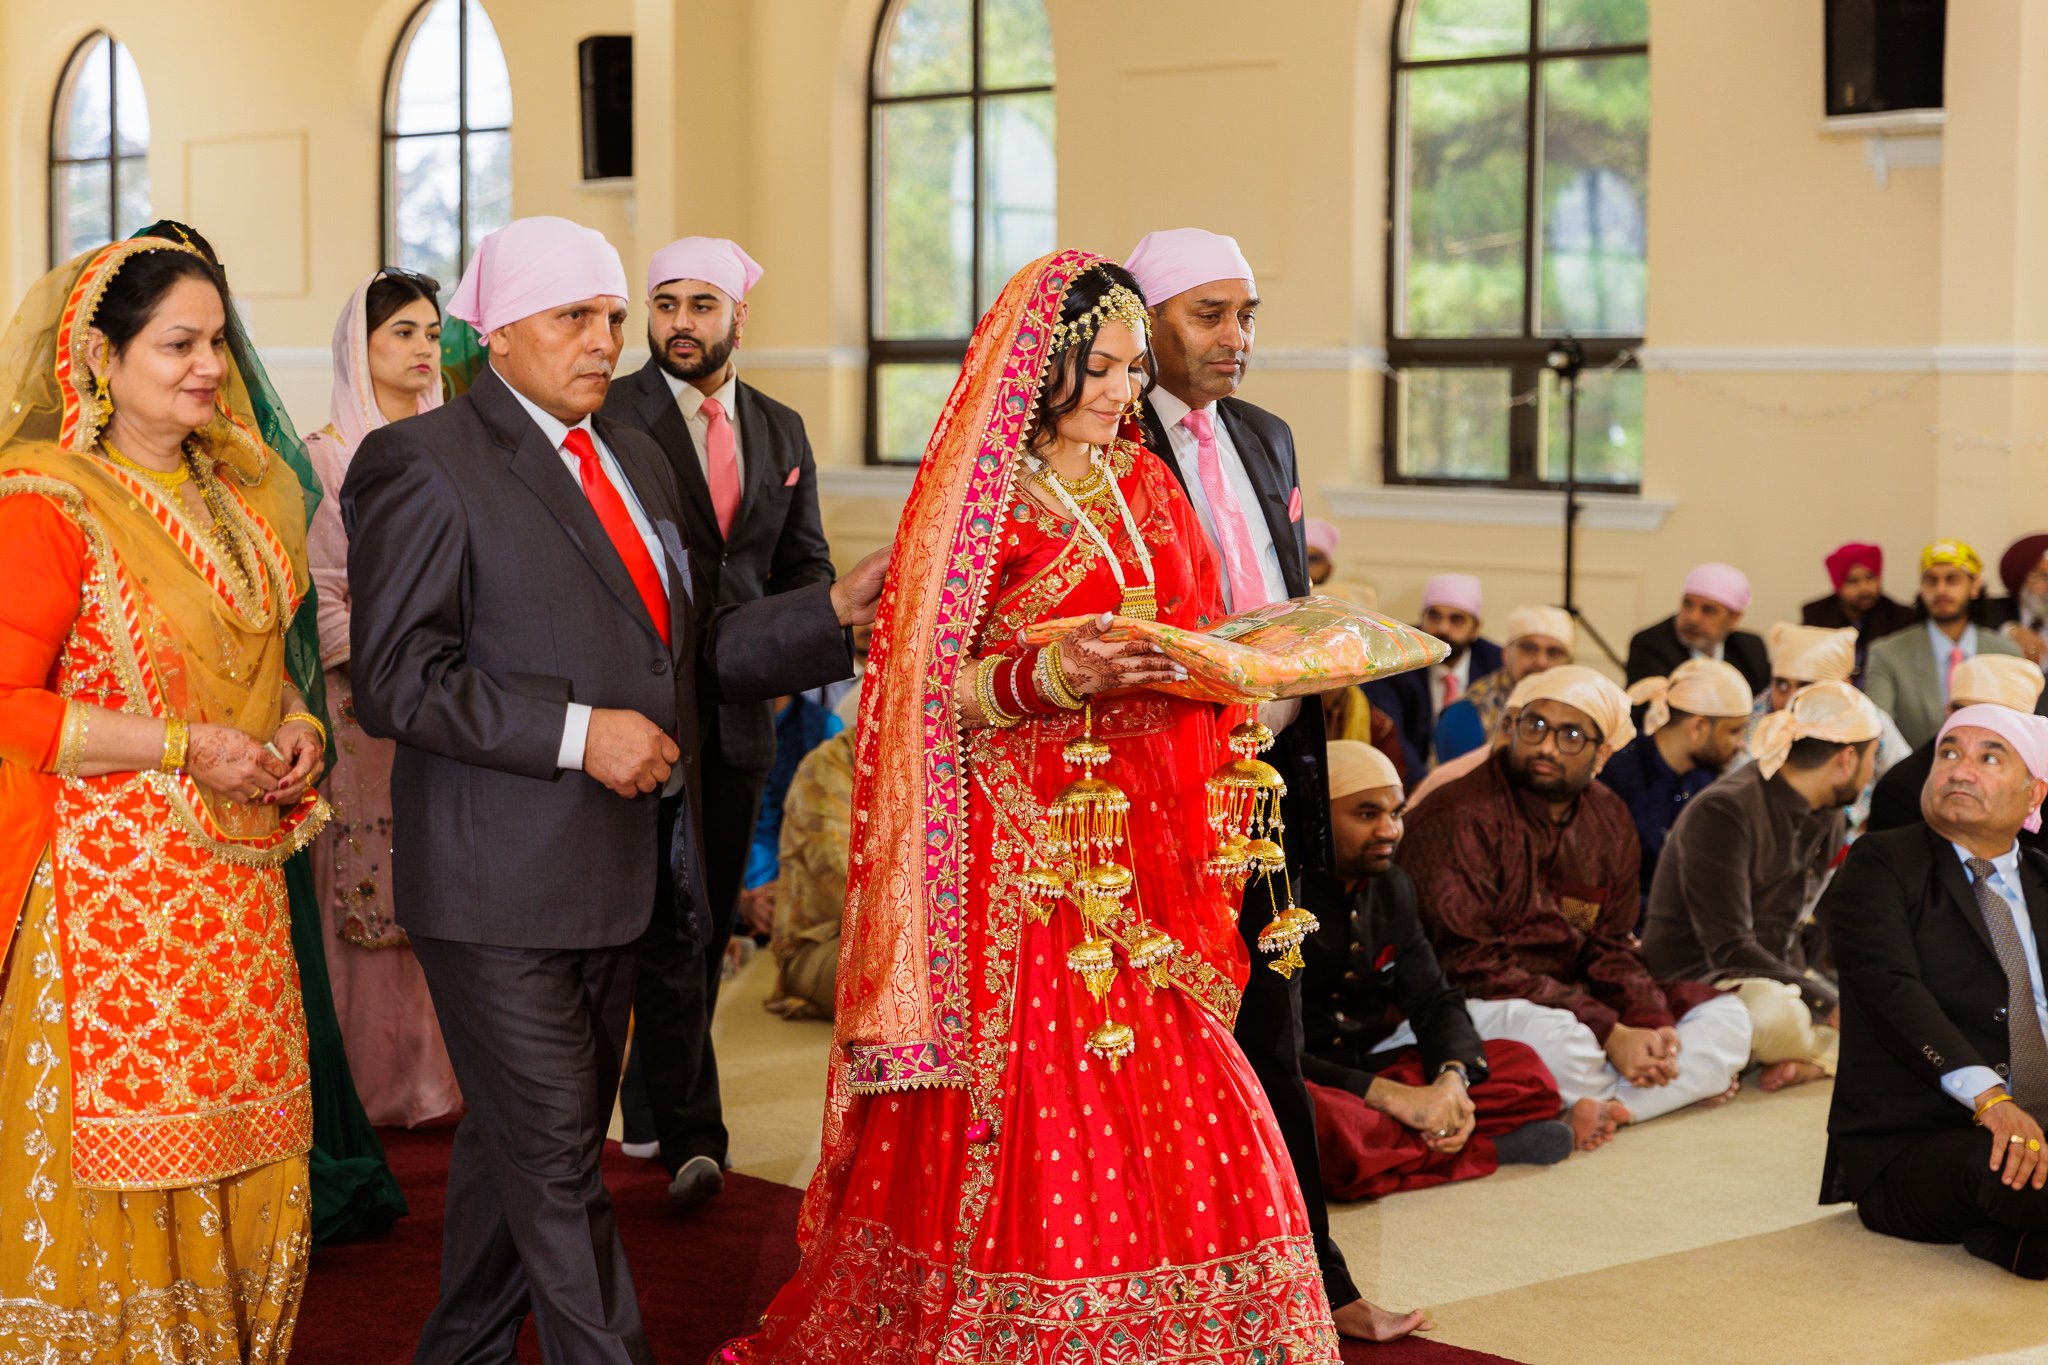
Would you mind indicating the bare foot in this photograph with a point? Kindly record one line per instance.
(1595, 1121)
(1716, 1101)
(1785, 1075)
(1363, 1320)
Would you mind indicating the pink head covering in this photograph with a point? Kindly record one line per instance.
(1723, 583)
(534, 264)
(2027, 734)
(1177, 259)
(711, 259)
(1320, 535)
(353, 411)
(1458, 591)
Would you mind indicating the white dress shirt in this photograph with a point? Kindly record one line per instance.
(1186, 453)
(576, 726)
(1965, 1083)
(691, 400)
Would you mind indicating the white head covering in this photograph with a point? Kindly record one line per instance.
(531, 265)
(1812, 654)
(1698, 687)
(715, 260)
(1833, 711)
(1997, 680)
(1553, 623)
(1175, 260)
(1605, 704)
(1358, 767)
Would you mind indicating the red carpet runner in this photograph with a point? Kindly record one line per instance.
(702, 1279)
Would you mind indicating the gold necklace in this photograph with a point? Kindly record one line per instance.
(223, 532)
(170, 481)
(1089, 488)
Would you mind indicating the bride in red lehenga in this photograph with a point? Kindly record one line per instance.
(1013, 1168)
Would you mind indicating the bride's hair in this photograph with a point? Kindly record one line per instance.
(1060, 394)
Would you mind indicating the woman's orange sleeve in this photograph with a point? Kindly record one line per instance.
(42, 568)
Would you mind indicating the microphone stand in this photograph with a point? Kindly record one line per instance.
(1566, 360)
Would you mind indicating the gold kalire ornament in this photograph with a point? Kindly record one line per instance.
(1244, 816)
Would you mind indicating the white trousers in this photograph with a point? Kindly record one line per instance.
(1714, 1039)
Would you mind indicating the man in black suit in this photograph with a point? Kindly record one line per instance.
(1935, 1128)
(527, 628)
(750, 504)
(1704, 627)
(1236, 463)
(1453, 610)
(1986, 680)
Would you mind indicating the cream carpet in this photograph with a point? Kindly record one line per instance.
(1692, 1239)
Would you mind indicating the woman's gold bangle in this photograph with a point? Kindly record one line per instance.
(177, 739)
(2000, 1098)
(985, 693)
(310, 719)
(71, 743)
(1052, 680)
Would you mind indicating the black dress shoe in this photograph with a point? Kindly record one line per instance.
(696, 1183)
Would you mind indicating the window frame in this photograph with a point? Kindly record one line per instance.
(1523, 356)
(389, 137)
(57, 159)
(883, 351)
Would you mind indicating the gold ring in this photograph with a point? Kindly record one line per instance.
(2015, 1139)
(2033, 1144)
(257, 795)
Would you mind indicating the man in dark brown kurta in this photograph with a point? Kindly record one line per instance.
(1526, 872)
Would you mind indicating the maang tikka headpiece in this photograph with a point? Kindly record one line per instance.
(1120, 304)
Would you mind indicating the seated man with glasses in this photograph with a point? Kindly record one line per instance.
(1526, 872)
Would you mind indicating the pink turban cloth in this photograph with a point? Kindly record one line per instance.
(531, 265)
(711, 259)
(2027, 734)
(1848, 556)
(1458, 591)
(1177, 259)
(1320, 535)
(1723, 583)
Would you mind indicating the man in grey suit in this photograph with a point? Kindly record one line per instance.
(526, 628)
(1907, 672)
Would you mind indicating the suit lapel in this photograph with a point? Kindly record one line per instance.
(664, 418)
(760, 469)
(2035, 887)
(1263, 465)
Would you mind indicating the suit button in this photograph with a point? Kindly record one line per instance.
(2002, 1069)
(1351, 976)
(1999, 1014)
(660, 664)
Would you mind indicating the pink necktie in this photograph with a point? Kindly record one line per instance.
(1955, 659)
(723, 464)
(1450, 689)
(1240, 560)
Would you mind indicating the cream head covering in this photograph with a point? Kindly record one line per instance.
(1997, 680)
(714, 260)
(2027, 734)
(1812, 654)
(1699, 687)
(1176, 260)
(1605, 704)
(1552, 623)
(1833, 711)
(1358, 767)
(531, 265)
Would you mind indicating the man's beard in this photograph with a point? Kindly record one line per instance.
(2033, 607)
(711, 357)
(1559, 788)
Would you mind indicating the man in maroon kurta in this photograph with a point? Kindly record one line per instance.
(1527, 876)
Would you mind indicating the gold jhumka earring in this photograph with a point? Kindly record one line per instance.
(1244, 816)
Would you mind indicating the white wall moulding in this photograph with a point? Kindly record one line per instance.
(886, 482)
(1957, 358)
(1894, 140)
(1318, 359)
(1494, 506)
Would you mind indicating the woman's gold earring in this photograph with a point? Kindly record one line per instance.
(103, 398)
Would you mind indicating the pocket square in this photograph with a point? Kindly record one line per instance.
(1385, 961)
(794, 475)
(1294, 504)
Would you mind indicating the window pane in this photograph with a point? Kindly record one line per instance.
(84, 131)
(490, 184)
(490, 84)
(1454, 423)
(1016, 43)
(1596, 117)
(132, 212)
(1468, 28)
(924, 168)
(428, 90)
(1595, 23)
(909, 399)
(1467, 165)
(83, 198)
(1610, 428)
(424, 190)
(134, 108)
(930, 48)
(1018, 196)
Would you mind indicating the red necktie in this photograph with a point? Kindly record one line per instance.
(722, 464)
(618, 524)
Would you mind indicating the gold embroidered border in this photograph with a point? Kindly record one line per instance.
(130, 1153)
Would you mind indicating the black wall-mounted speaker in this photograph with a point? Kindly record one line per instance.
(605, 62)
(1884, 55)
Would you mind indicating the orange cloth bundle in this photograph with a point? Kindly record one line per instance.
(1294, 648)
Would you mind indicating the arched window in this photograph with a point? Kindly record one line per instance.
(447, 139)
(960, 193)
(1519, 195)
(99, 150)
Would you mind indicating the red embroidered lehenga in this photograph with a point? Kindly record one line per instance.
(990, 1190)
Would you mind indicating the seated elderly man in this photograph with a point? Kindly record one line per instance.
(1537, 638)
(1526, 873)
(1453, 608)
(1743, 864)
(1987, 680)
(1935, 1126)
(1693, 723)
(1858, 602)
(2022, 614)
(1406, 1094)
(1908, 672)
(1704, 627)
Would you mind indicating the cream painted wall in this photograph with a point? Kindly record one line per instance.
(1829, 357)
